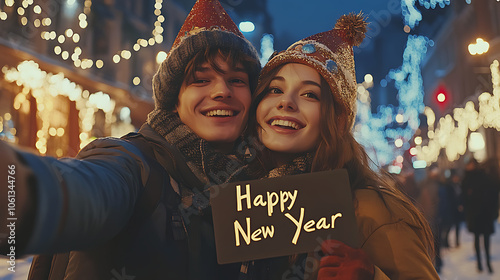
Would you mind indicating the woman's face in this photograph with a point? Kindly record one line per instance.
(289, 114)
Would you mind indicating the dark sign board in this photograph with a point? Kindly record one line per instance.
(283, 216)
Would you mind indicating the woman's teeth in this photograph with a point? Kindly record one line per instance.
(285, 124)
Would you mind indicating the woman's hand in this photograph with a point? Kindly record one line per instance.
(344, 262)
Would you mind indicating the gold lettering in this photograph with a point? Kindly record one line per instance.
(334, 217)
(259, 201)
(271, 203)
(238, 228)
(298, 224)
(321, 224)
(309, 226)
(240, 197)
(294, 196)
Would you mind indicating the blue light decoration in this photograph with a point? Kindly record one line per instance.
(266, 48)
(376, 132)
(412, 15)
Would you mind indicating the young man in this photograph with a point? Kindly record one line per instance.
(96, 206)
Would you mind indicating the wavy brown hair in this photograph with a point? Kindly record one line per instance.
(338, 149)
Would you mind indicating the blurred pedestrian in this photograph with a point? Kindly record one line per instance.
(458, 214)
(448, 209)
(480, 189)
(428, 202)
(409, 185)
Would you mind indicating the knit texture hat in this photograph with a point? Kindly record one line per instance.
(207, 25)
(331, 54)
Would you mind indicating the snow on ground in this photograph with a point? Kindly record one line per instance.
(460, 263)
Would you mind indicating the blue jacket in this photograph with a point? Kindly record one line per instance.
(85, 206)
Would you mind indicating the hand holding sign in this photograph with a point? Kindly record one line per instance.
(344, 262)
(282, 216)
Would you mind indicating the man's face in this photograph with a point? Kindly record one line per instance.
(215, 105)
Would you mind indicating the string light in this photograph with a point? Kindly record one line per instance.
(375, 131)
(46, 88)
(412, 15)
(451, 133)
(156, 38)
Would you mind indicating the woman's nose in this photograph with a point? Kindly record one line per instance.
(286, 102)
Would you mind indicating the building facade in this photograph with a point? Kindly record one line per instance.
(74, 70)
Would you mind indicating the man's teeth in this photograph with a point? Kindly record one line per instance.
(225, 113)
(285, 123)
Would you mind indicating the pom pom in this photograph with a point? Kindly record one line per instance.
(354, 27)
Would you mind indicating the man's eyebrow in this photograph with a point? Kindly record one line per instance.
(206, 69)
(202, 69)
(239, 69)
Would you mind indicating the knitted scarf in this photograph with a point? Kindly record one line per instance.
(210, 166)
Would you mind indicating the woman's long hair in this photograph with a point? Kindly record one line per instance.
(338, 149)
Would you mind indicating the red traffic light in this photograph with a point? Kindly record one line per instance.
(441, 97)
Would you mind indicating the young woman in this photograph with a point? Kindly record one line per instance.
(304, 110)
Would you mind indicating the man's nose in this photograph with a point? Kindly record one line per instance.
(221, 90)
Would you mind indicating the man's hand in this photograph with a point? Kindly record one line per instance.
(15, 198)
(11, 165)
(344, 262)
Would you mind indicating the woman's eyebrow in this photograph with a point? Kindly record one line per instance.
(305, 82)
(279, 78)
(310, 82)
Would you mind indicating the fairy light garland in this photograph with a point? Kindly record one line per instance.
(384, 143)
(67, 47)
(451, 131)
(412, 15)
(46, 88)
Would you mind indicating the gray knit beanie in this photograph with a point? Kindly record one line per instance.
(206, 26)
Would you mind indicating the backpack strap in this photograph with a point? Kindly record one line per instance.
(157, 179)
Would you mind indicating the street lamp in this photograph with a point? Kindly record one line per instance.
(480, 47)
(246, 26)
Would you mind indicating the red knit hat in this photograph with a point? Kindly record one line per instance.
(206, 15)
(331, 54)
(207, 25)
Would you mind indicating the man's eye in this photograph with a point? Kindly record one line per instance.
(237, 81)
(200, 81)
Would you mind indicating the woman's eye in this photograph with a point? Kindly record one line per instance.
(275, 90)
(311, 95)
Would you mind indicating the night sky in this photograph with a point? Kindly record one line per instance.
(297, 19)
